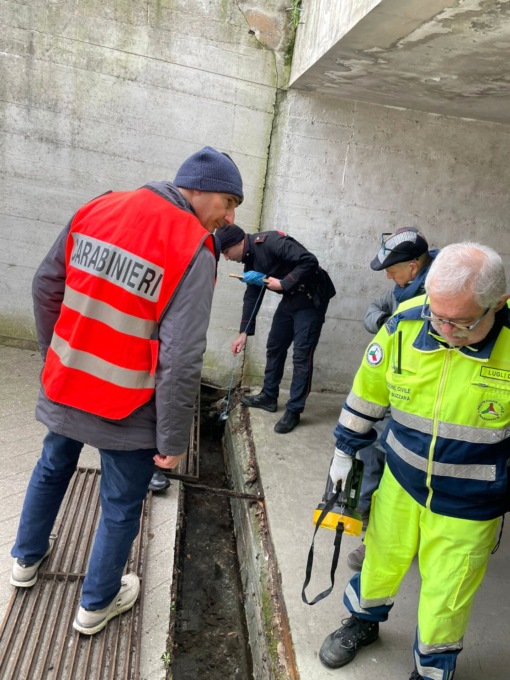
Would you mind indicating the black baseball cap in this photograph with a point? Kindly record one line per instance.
(403, 245)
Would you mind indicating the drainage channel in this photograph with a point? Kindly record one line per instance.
(209, 631)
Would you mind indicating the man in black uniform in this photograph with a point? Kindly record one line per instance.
(293, 272)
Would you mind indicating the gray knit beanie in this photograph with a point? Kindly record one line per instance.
(210, 170)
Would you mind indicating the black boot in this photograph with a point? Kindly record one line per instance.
(159, 482)
(287, 422)
(260, 400)
(340, 648)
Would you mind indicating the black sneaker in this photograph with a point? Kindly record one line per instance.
(260, 400)
(159, 482)
(287, 422)
(340, 648)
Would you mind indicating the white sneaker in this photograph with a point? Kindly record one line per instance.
(91, 622)
(25, 575)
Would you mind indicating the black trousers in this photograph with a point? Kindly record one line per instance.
(303, 328)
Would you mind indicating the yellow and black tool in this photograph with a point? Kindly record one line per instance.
(338, 512)
(343, 508)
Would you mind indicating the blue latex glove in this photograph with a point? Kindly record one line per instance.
(255, 278)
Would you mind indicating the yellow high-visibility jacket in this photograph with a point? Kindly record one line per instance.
(448, 439)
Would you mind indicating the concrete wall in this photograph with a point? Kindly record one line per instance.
(322, 24)
(341, 173)
(109, 94)
(441, 56)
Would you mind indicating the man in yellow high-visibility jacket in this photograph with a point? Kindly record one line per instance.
(443, 364)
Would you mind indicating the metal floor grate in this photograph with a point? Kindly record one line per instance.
(37, 640)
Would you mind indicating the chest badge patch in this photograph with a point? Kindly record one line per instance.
(490, 410)
(374, 354)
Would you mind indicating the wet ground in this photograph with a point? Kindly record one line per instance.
(210, 630)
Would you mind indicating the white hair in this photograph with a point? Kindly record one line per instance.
(468, 266)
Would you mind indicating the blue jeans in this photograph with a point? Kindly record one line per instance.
(125, 477)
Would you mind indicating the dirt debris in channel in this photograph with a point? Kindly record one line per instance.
(210, 638)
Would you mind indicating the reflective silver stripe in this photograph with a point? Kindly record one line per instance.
(367, 408)
(355, 423)
(412, 421)
(102, 311)
(118, 266)
(375, 602)
(430, 671)
(481, 473)
(440, 646)
(462, 433)
(84, 361)
(361, 607)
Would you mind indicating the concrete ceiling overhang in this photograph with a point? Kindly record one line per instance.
(444, 57)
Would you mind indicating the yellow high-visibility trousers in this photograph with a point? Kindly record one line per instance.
(453, 555)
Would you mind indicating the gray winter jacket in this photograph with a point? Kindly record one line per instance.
(164, 422)
(385, 306)
(379, 310)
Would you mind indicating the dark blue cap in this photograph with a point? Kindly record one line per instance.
(228, 236)
(210, 170)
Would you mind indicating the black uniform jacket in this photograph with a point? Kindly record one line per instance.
(275, 254)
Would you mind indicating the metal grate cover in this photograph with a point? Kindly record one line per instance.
(37, 640)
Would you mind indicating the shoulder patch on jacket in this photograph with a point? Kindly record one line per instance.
(374, 354)
(260, 238)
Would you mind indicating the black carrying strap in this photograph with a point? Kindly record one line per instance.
(496, 547)
(336, 553)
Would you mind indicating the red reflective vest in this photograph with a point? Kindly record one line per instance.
(126, 254)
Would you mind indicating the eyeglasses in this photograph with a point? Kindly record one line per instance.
(459, 326)
(384, 247)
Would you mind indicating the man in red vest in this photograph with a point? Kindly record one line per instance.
(122, 304)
